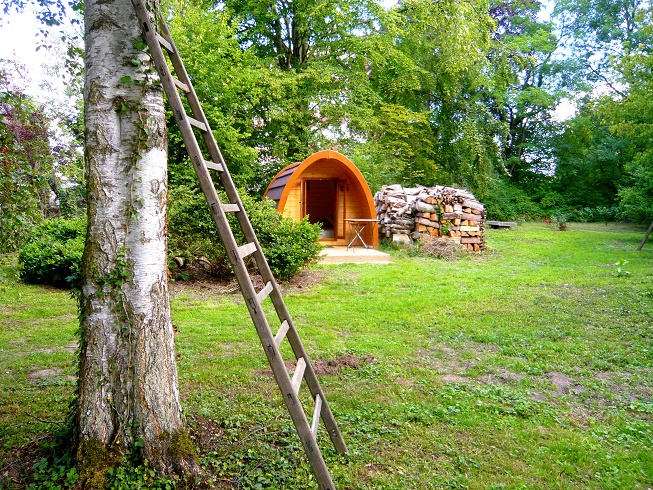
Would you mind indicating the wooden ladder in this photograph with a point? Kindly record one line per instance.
(158, 38)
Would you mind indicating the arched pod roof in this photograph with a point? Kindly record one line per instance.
(285, 180)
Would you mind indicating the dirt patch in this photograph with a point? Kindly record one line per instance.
(306, 279)
(564, 384)
(454, 378)
(325, 367)
(45, 373)
(373, 469)
(208, 434)
(203, 288)
(46, 350)
(503, 376)
(20, 462)
(446, 360)
(333, 366)
(624, 387)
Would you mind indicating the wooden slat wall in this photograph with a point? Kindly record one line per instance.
(342, 197)
(293, 207)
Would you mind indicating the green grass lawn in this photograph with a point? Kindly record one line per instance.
(527, 367)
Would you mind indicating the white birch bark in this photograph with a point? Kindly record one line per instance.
(128, 377)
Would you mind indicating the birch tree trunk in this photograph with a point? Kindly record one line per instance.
(128, 395)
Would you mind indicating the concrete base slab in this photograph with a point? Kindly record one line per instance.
(356, 255)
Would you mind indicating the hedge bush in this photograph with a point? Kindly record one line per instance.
(53, 253)
(288, 245)
(507, 202)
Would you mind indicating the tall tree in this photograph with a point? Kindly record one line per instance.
(128, 397)
(26, 161)
(525, 85)
(590, 159)
(305, 46)
(449, 42)
(598, 32)
(612, 40)
(632, 119)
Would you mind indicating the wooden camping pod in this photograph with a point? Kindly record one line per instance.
(329, 189)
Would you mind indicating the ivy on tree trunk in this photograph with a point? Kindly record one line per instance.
(128, 395)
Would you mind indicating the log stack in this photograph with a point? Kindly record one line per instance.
(437, 211)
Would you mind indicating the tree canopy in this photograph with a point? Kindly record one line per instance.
(423, 92)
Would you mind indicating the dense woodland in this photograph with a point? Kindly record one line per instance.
(418, 92)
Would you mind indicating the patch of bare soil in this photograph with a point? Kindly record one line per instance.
(333, 366)
(325, 367)
(448, 361)
(564, 384)
(454, 378)
(44, 373)
(20, 462)
(503, 376)
(624, 387)
(206, 286)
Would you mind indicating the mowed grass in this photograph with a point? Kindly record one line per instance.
(529, 366)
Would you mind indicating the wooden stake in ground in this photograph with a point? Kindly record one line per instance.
(648, 232)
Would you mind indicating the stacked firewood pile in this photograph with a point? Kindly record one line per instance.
(434, 211)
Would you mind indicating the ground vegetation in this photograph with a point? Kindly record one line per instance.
(525, 367)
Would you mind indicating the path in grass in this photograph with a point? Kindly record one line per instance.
(529, 366)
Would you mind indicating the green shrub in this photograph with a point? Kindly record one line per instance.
(292, 246)
(599, 214)
(507, 202)
(53, 254)
(288, 245)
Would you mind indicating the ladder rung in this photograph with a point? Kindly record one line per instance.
(247, 249)
(165, 43)
(230, 208)
(316, 414)
(198, 124)
(298, 375)
(281, 334)
(264, 293)
(181, 85)
(214, 166)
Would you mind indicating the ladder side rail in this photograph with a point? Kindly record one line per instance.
(216, 156)
(309, 375)
(187, 132)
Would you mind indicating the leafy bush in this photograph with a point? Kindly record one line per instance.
(598, 214)
(292, 246)
(507, 202)
(194, 241)
(53, 254)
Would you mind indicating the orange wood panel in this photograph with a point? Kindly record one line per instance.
(328, 164)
